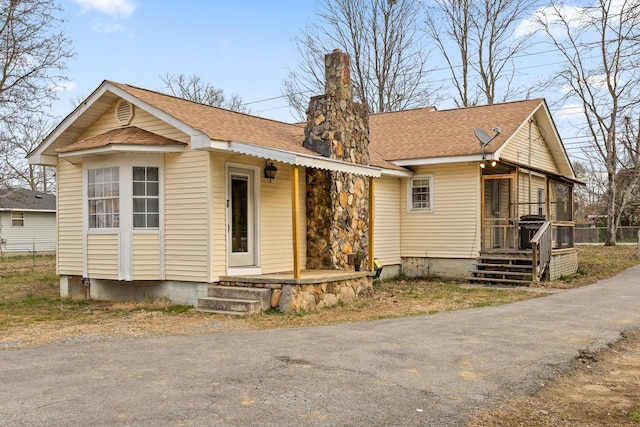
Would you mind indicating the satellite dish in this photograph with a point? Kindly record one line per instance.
(482, 136)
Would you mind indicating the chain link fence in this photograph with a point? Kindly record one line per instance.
(586, 234)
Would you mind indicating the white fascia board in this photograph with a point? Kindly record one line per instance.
(397, 173)
(43, 159)
(304, 160)
(203, 142)
(77, 156)
(445, 160)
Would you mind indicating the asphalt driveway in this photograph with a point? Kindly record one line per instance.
(429, 370)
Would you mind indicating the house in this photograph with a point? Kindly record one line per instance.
(163, 197)
(27, 221)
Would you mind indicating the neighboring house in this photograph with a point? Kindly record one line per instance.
(27, 221)
(163, 197)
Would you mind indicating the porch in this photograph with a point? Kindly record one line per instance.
(313, 289)
(526, 227)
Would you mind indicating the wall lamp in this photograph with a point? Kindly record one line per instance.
(270, 171)
(483, 164)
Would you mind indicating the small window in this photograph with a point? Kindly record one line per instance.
(103, 195)
(17, 219)
(421, 194)
(146, 197)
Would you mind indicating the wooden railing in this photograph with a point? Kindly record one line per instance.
(541, 249)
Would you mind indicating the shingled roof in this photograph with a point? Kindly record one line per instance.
(426, 133)
(396, 138)
(21, 199)
(123, 136)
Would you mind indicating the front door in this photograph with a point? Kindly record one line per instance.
(241, 221)
(498, 213)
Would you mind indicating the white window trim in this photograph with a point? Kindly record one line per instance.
(410, 208)
(22, 218)
(126, 231)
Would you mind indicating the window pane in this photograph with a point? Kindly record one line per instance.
(152, 189)
(152, 174)
(138, 174)
(139, 220)
(138, 189)
(153, 205)
(138, 205)
(153, 220)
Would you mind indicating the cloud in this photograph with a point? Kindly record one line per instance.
(105, 28)
(63, 87)
(115, 8)
(575, 16)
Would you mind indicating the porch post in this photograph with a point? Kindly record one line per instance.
(295, 218)
(371, 223)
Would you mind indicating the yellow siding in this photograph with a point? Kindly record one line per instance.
(102, 256)
(387, 226)
(517, 150)
(69, 201)
(276, 237)
(452, 230)
(276, 222)
(146, 256)
(141, 119)
(186, 217)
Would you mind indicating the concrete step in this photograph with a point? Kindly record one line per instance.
(241, 293)
(229, 305)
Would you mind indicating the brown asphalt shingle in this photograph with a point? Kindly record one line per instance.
(425, 133)
(123, 136)
(403, 135)
(224, 125)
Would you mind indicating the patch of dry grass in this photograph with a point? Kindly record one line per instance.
(32, 312)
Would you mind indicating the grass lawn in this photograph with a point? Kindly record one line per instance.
(32, 312)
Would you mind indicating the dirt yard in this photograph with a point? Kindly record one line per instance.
(600, 389)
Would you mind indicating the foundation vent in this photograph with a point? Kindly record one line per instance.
(124, 112)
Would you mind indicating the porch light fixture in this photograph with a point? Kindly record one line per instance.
(270, 171)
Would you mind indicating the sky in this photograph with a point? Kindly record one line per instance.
(243, 47)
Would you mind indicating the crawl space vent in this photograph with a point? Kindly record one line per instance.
(124, 112)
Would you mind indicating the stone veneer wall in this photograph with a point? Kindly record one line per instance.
(337, 202)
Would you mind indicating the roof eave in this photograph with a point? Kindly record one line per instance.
(77, 156)
(290, 157)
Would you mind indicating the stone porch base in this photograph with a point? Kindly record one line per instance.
(314, 290)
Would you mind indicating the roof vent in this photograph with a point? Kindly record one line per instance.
(124, 112)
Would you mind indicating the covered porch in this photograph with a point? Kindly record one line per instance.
(526, 225)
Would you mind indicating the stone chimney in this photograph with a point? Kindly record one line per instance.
(337, 203)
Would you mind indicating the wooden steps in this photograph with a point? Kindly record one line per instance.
(236, 301)
(504, 268)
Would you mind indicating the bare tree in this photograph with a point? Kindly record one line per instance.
(599, 45)
(388, 54)
(486, 42)
(194, 88)
(18, 139)
(33, 54)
